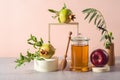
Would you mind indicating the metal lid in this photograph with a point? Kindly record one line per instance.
(78, 38)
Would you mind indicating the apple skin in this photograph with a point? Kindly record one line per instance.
(99, 57)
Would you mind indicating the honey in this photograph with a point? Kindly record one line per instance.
(79, 56)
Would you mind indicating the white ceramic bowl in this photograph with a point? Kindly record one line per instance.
(46, 65)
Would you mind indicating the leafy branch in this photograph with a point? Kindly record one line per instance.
(56, 12)
(30, 56)
(33, 41)
(99, 22)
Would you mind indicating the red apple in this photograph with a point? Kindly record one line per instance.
(99, 57)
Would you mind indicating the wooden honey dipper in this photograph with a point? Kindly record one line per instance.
(63, 63)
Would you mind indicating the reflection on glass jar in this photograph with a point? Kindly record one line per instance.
(79, 54)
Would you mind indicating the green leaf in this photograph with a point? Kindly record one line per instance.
(30, 43)
(17, 60)
(99, 22)
(28, 54)
(39, 58)
(37, 53)
(109, 38)
(27, 59)
(17, 65)
(94, 14)
(107, 44)
(31, 36)
(34, 38)
(106, 36)
(110, 34)
(96, 19)
(41, 40)
(88, 10)
(97, 16)
(29, 39)
(87, 16)
(53, 11)
(39, 44)
(34, 46)
(64, 7)
(21, 56)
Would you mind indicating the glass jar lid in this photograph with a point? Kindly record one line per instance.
(78, 38)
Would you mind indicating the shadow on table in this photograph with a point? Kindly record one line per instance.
(115, 68)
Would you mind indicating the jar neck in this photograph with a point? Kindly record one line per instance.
(80, 43)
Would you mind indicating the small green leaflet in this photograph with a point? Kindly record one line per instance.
(94, 14)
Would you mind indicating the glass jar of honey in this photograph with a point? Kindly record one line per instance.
(79, 54)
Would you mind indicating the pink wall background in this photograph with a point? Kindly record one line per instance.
(20, 18)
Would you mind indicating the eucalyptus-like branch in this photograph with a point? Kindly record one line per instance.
(99, 22)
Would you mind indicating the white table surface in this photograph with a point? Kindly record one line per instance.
(26, 72)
